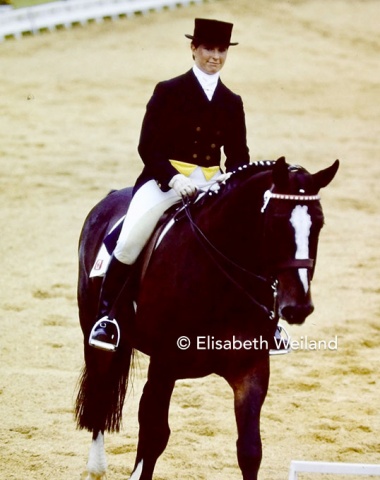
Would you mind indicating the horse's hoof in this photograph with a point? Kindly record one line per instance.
(93, 476)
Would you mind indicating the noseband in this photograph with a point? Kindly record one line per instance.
(295, 263)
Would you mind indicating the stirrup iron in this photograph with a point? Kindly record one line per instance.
(283, 340)
(103, 323)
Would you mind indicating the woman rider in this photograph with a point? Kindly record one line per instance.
(188, 120)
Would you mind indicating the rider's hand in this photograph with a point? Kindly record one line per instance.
(183, 186)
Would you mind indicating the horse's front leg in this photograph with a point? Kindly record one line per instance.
(97, 461)
(250, 389)
(154, 428)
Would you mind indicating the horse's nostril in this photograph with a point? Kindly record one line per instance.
(297, 313)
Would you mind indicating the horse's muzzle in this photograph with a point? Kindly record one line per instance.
(296, 314)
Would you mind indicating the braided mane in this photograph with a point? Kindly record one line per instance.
(253, 168)
(242, 173)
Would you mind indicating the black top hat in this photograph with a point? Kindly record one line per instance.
(212, 32)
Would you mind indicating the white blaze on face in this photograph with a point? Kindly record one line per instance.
(301, 222)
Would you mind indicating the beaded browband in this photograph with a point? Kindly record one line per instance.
(268, 195)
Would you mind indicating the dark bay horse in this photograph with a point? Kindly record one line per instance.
(230, 266)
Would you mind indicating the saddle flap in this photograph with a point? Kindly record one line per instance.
(107, 247)
(109, 243)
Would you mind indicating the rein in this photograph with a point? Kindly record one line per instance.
(215, 254)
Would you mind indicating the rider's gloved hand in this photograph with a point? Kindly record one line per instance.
(183, 186)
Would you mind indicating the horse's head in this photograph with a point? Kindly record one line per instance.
(293, 219)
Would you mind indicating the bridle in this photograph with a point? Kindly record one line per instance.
(293, 262)
(268, 195)
(218, 257)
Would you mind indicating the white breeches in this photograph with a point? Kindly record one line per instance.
(146, 208)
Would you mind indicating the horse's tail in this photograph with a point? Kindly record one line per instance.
(104, 380)
(102, 388)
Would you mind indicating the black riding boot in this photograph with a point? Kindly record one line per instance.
(105, 334)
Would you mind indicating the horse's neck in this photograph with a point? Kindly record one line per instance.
(233, 219)
(243, 201)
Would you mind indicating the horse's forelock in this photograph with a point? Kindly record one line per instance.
(301, 181)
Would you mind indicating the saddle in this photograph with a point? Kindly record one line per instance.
(167, 220)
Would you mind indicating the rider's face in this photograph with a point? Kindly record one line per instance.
(208, 58)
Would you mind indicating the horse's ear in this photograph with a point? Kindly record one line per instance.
(324, 177)
(280, 173)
